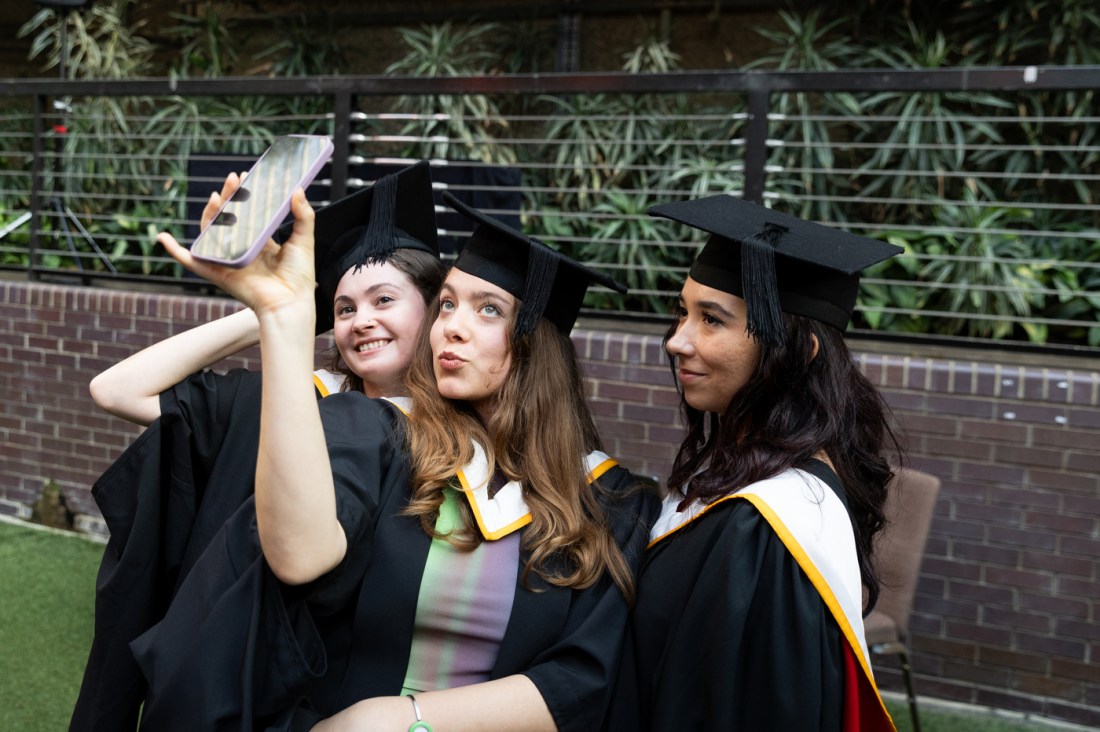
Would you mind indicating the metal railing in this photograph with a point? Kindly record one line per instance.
(994, 199)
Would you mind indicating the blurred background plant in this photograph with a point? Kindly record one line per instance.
(969, 173)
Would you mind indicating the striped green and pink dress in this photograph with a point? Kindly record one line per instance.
(463, 608)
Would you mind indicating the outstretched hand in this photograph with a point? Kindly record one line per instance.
(280, 277)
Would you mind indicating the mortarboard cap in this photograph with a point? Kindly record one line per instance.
(547, 283)
(368, 226)
(777, 263)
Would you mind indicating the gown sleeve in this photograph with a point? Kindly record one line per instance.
(150, 499)
(237, 648)
(575, 673)
(754, 647)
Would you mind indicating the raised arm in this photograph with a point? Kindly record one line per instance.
(295, 500)
(131, 388)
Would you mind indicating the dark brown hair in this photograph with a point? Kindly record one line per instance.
(426, 272)
(796, 405)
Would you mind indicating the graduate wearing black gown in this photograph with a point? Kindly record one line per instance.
(167, 496)
(750, 599)
(240, 649)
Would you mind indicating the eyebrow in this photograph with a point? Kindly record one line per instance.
(711, 305)
(476, 295)
(370, 290)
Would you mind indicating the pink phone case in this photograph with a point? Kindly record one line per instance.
(246, 221)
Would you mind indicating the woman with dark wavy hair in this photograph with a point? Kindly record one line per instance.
(751, 598)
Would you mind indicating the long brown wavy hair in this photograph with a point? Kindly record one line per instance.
(539, 434)
(426, 272)
(795, 406)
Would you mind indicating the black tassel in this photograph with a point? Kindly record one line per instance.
(542, 268)
(379, 240)
(758, 281)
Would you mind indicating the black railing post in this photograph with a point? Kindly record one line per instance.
(341, 133)
(756, 144)
(38, 174)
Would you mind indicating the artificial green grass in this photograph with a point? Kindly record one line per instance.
(933, 719)
(47, 595)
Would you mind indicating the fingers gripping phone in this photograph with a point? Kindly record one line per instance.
(249, 217)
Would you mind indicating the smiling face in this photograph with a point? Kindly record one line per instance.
(378, 312)
(470, 340)
(715, 355)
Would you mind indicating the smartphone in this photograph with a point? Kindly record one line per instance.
(249, 217)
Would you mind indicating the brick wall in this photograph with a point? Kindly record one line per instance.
(1008, 608)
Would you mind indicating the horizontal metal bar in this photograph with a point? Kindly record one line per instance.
(1012, 78)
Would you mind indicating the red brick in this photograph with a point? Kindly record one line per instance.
(979, 633)
(1074, 587)
(937, 567)
(1060, 522)
(1061, 606)
(1088, 462)
(1088, 631)
(1021, 538)
(982, 594)
(1011, 702)
(967, 511)
(1081, 671)
(1057, 563)
(984, 553)
(961, 406)
(1078, 545)
(901, 401)
(1029, 456)
(1072, 649)
(1012, 619)
(986, 675)
(1086, 505)
(976, 450)
(1064, 481)
(1088, 716)
(991, 473)
(604, 371)
(1024, 497)
(651, 376)
(1000, 657)
(1000, 431)
(941, 689)
(657, 415)
(623, 392)
(1064, 437)
(954, 530)
(1089, 418)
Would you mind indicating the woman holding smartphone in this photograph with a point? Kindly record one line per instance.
(164, 499)
(750, 600)
(374, 288)
(468, 563)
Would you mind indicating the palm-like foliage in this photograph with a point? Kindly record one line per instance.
(455, 125)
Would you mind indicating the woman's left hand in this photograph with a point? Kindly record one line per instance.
(280, 277)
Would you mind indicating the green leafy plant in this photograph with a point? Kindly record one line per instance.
(976, 275)
(454, 125)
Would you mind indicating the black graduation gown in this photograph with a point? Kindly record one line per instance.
(237, 650)
(160, 515)
(567, 642)
(729, 633)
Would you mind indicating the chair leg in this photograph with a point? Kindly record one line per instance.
(907, 676)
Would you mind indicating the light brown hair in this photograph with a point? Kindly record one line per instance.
(541, 432)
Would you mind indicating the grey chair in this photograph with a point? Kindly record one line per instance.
(899, 550)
